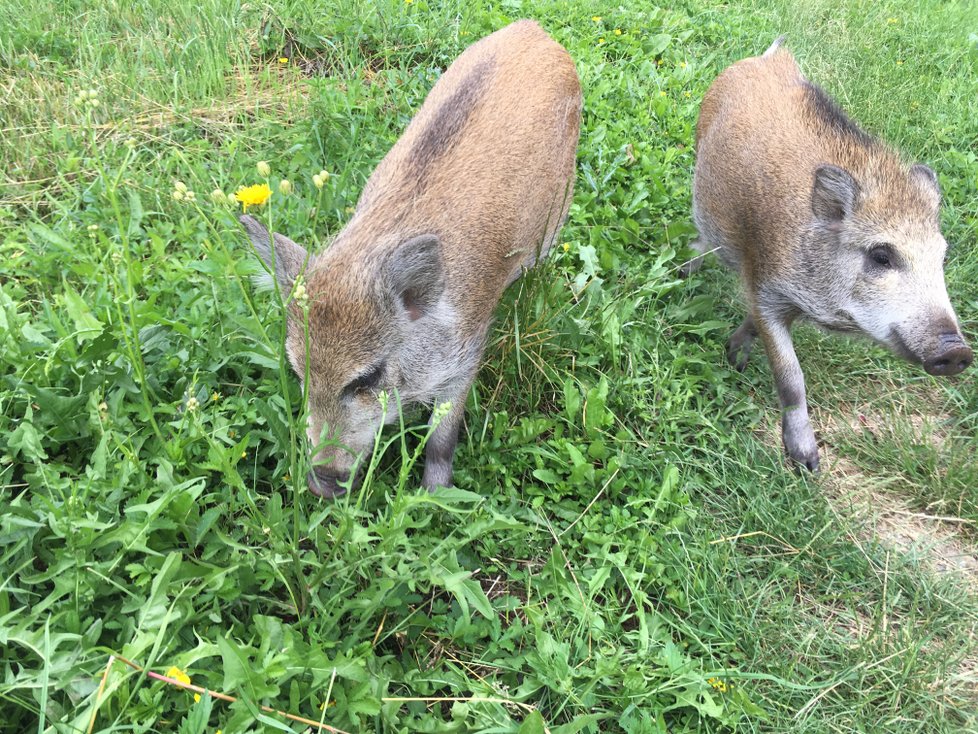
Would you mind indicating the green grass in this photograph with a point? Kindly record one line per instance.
(626, 550)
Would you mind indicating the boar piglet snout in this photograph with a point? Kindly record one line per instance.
(952, 356)
(324, 483)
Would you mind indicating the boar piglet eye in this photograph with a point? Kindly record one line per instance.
(367, 381)
(882, 256)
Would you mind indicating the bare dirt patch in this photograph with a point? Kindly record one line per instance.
(936, 541)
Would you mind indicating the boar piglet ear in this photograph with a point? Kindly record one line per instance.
(926, 179)
(286, 259)
(415, 275)
(835, 194)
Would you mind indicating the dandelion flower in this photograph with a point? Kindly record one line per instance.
(600, 41)
(566, 247)
(283, 60)
(408, 2)
(596, 18)
(174, 672)
(264, 170)
(253, 195)
(617, 31)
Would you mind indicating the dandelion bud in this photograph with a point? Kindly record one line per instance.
(180, 186)
(285, 186)
(190, 196)
(219, 197)
(318, 181)
(178, 195)
(264, 170)
(131, 143)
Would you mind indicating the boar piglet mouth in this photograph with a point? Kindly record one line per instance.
(900, 347)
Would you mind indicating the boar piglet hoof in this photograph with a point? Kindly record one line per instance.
(740, 343)
(799, 439)
(326, 484)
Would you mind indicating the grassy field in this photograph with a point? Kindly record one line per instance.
(625, 551)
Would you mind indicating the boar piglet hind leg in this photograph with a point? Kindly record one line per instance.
(774, 328)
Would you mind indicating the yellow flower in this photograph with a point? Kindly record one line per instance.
(596, 18)
(408, 2)
(253, 195)
(892, 21)
(717, 684)
(617, 31)
(566, 247)
(899, 62)
(600, 41)
(682, 64)
(283, 60)
(662, 93)
(174, 672)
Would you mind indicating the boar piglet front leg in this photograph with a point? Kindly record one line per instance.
(774, 328)
(440, 449)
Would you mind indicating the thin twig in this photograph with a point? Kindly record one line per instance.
(206, 692)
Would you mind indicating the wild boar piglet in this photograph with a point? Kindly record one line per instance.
(472, 194)
(823, 222)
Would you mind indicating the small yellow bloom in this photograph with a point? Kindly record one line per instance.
(408, 2)
(617, 31)
(662, 93)
(596, 18)
(899, 62)
(682, 64)
(600, 41)
(566, 247)
(283, 60)
(253, 195)
(717, 684)
(349, 210)
(892, 21)
(244, 454)
(264, 170)
(215, 396)
(178, 675)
